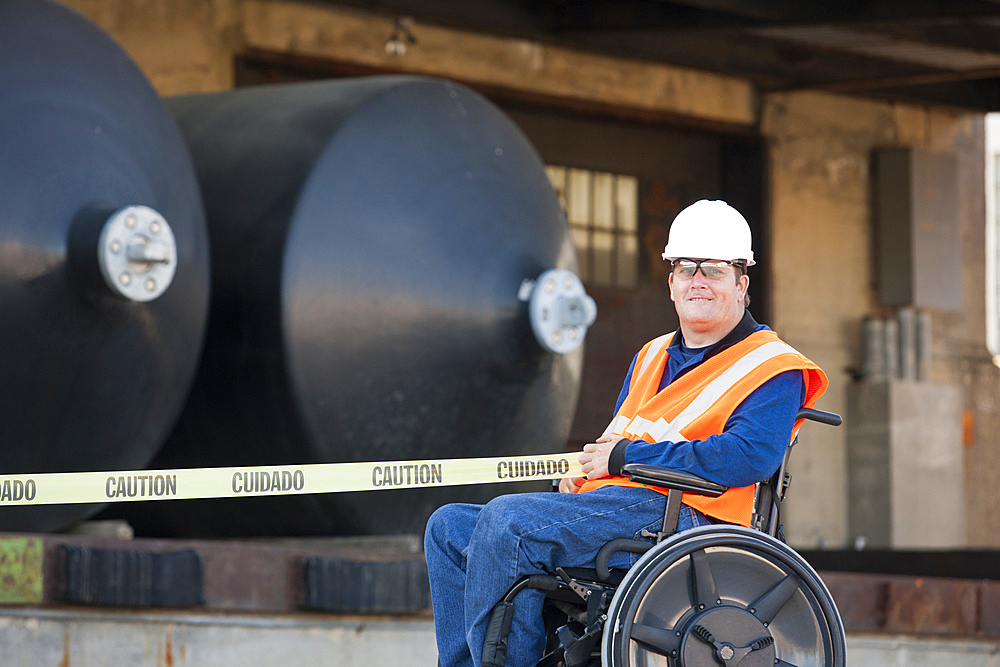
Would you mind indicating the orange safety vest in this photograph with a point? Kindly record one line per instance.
(699, 403)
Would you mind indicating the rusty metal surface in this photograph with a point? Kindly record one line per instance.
(860, 600)
(990, 608)
(932, 606)
(251, 577)
(926, 606)
(21, 576)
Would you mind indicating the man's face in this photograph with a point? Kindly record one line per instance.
(708, 305)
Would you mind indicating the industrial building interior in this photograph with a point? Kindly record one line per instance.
(354, 266)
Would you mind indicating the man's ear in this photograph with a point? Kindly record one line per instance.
(670, 284)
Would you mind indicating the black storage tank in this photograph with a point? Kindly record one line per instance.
(103, 256)
(369, 241)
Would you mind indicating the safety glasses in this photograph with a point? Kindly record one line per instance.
(713, 269)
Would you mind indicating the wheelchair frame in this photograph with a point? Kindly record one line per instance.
(592, 615)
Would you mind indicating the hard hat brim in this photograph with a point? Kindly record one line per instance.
(670, 257)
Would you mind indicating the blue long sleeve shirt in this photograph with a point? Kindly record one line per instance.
(753, 442)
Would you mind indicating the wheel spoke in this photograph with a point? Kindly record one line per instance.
(782, 663)
(702, 580)
(767, 606)
(664, 642)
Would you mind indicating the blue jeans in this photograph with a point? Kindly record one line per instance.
(475, 553)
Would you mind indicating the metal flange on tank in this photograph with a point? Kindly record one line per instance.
(370, 238)
(103, 256)
(137, 253)
(559, 308)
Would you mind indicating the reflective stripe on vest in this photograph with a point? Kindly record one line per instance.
(661, 430)
(653, 348)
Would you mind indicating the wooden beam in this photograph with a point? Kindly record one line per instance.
(308, 30)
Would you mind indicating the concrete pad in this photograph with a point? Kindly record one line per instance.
(889, 651)
(114, 638)
(85, 638)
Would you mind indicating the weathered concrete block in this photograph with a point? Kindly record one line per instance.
(905, 475)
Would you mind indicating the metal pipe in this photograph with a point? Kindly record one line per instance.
(907, 318)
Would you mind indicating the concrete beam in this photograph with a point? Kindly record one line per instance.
(182, 46)
(340, 34)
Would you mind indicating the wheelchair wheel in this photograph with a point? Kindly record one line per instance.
(723, 595)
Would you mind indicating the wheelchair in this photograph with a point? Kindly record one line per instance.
(713, 595)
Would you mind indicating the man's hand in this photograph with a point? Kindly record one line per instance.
(570, 484)
(594, 458)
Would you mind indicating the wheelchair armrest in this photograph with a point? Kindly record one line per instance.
(820, 416)
(667, 478)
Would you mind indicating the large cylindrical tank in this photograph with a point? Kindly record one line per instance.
(103, 256)
(369, 240)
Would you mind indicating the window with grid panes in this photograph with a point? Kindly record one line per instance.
(603, 210)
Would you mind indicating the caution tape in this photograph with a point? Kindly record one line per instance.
(190, 483)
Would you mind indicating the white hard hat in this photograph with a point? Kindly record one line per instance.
(709, 229)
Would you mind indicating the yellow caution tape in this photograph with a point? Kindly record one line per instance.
(187, 483)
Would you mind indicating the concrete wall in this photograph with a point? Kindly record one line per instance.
(183, 46)
(819, 193)
(824, 284)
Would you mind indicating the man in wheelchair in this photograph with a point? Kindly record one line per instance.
(718, 399)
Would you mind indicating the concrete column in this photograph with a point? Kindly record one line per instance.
(906, 485)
